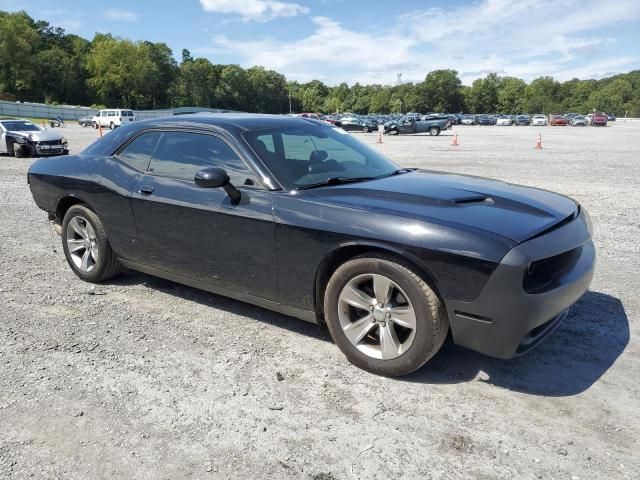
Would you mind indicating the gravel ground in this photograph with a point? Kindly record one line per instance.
(143, 378)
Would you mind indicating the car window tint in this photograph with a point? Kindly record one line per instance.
(182, 155)
(298, 147)
(267, 143)
(338, 151)
(309, 154)
(139, 152)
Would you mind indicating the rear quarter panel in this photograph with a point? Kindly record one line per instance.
(103, 183)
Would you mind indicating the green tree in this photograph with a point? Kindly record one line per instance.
(314, 95)
(380, 101)
(511, 95)
(613, 97)
(542, 96)
(483, 95)
(441, 91)
(19, 42)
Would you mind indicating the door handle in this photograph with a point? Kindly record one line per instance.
(146, 190)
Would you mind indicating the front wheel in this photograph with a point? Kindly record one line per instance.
(365, 129)
(383, 316)
(18, 151)
(112, 126)
(433, 131)
(86, 246)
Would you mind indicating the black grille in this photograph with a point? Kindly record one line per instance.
(50, 142)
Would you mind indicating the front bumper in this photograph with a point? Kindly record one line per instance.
(507, 319)
(44, 149)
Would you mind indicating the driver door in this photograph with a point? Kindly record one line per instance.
(406, 125)
(197, 232)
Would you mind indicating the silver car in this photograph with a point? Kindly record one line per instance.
(579, 121)
(23, 138)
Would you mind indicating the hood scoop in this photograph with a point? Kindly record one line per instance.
(474, 199)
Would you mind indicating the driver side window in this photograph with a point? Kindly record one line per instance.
(182, 154)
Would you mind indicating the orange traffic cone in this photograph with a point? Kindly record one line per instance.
(539, 142)
(454, 140)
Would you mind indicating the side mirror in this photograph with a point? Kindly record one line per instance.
(212, 178)
(215, 177)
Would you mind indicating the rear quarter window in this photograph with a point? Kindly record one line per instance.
(139, 152)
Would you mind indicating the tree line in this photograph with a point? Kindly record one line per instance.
(43, 63)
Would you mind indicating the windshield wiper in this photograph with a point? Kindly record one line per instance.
(336, 181)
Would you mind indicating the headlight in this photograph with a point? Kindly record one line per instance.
(63, 141)
(20, 140)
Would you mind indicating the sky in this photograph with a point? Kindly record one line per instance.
(373, 41)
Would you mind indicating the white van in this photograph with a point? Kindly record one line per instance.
(113, 118)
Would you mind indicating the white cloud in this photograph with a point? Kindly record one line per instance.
(255, 10)
(561, 38)
(121, 15)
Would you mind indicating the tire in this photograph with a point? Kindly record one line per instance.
(365, 130)
(111, 126)
(101, 262)
(18, 151)
(394, 132)
(412, 348)
(95, 125)
(434, 131)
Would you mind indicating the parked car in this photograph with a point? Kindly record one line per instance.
(22, 138)
(504, 120)
(611, 117)
(413, 124)
(578, 121)
(86, 121)
(301, 218)
(599, 119)
(522, 120)
(539, 120)
(356, 124)
(468, 120)
(486, 120)
(556, 119)
(112, 118)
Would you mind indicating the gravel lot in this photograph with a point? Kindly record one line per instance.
(143, 378)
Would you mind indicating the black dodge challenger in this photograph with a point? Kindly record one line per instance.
(299, 217)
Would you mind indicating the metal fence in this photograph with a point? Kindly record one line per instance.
(40, 110)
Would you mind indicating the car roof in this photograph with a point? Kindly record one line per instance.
(233, 121)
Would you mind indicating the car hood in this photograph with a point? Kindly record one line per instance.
(41, 136)
(511, 211)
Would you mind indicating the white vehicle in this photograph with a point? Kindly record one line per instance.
(112, 118)
(539, 121)
(504, 120)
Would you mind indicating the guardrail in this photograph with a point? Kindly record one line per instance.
(41, 110)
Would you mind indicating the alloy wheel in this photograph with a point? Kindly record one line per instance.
(376, 316)
(82, 244)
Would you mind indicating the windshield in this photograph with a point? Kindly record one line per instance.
(20, 126)
(309, 154)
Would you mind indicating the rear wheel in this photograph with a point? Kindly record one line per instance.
(383, 316)
(433, 131)
(112, 126)
(365, 130)
(86, 246)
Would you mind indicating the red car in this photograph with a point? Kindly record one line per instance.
(599, 119)
(557, 119)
